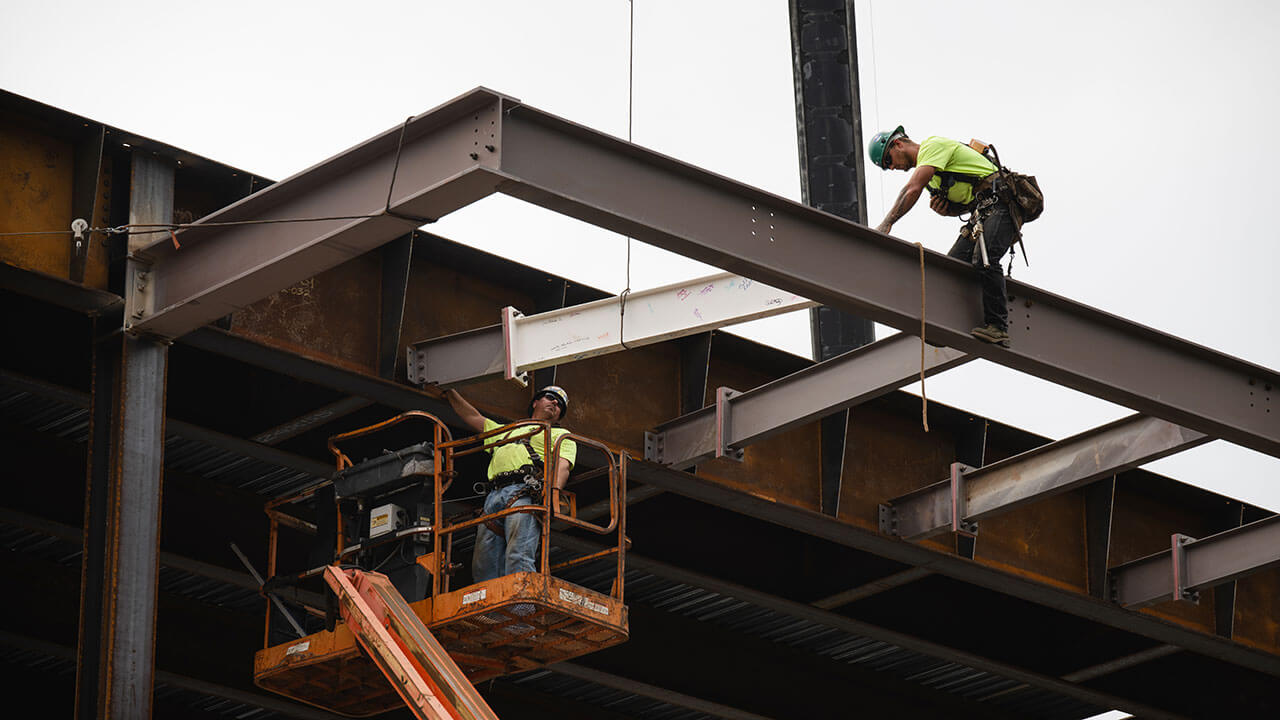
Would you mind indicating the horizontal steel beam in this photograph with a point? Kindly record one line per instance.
(739, 419)
(843, 623)
(523, 343)
(1191, 565)
(663, 695)
(919, 555)
(213, 438)
(600, 179)
(371, 194)
(483, 142)
(1056, 467)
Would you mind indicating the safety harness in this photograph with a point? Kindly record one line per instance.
(530, 474)
(1001, 186)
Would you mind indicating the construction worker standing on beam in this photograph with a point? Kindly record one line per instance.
(960, 179)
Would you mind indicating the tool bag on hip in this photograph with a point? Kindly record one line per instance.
(1021, 193)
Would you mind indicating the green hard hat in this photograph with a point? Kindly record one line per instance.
(880, 141)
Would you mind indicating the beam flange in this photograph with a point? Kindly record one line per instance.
(483, 143)
(431, 165)
(799, 398)
(1036, 474)
(531, 342)
(1191, 565)
(616, 185)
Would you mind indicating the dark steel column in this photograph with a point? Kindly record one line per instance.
(829, 131)
(116, 673)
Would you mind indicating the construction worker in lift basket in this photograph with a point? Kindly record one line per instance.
(959, 179)
(510, 544)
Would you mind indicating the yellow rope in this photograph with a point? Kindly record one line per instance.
(924, 399)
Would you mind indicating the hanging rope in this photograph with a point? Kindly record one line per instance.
(631, 65)
(924, 399)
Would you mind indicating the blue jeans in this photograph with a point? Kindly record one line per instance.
(496, 555)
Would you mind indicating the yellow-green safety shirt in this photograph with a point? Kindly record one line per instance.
(514, 455)
(951, 156)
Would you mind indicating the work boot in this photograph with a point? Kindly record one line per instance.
(991, 334)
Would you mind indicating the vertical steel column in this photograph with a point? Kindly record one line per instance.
(829, 130)
(115, 677)
(824, 54)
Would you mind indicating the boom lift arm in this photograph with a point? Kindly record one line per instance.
(406, 652)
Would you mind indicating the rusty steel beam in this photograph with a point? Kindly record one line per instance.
(739, 419)
(818, 525)
(120, 570)
(811, 613)
(1191, 565)
(972, 494)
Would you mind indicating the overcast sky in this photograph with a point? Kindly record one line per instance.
(1145, 122)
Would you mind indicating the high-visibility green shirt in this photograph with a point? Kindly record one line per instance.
(952, 156)
(514, 455)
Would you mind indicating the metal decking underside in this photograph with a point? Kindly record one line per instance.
(29, 408)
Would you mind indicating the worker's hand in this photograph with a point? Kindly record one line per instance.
(885, 227)
(939, 204)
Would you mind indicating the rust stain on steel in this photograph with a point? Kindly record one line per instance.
(1044, 540)
(331, 317)
(441, 301)
(888, 455)
(1142, 523)
(784, 468)
(612, 396)
(36, 180)
(1257, 616)
(97, 259)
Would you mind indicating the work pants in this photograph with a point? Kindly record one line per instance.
(999, 233)
(516, 549)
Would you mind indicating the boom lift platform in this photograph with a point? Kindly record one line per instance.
(378, 549)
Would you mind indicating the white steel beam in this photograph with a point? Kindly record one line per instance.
(523, 343)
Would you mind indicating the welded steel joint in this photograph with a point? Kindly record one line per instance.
(945, 511)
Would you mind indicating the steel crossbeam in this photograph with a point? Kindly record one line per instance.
(972, 494)
(483, 143)
(1191, 565)
(739, 419)
(523, 343)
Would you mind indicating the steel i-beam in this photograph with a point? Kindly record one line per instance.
(121, 550)
(971, 494)
(483, 143)
(1191, 565)
(523, 343)
(739, 419)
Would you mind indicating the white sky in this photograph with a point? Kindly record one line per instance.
(1145, 123)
